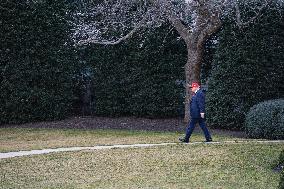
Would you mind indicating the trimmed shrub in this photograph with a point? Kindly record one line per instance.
(37, 65)
(266, 120)
(139, 77)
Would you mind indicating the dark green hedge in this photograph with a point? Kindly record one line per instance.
(139, 77)
(37, 67)
(247, 69)
(266, 120)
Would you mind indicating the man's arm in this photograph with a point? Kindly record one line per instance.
(201, 104)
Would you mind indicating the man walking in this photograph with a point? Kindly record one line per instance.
(197, 113)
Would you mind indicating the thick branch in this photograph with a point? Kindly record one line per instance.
(183, 30)
(106, 42)
(180, 27)
(208, 31)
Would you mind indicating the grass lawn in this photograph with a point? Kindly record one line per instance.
(237, 165)
(15, 139)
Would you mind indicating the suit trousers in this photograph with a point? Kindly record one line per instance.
(191, 127)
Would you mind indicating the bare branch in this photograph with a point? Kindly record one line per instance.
(224, 3)
(112, 22)
(3, 8)
(141, 24)
(183, 30)
(210, 29)
(171, 29)
(242, 24)
(179, 26)
(238, 14)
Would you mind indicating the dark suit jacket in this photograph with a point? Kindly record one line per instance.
(197, 104)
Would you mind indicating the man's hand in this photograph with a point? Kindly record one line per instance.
(202, 115)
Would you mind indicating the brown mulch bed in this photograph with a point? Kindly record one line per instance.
(127, 123)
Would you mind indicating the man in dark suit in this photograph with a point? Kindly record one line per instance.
(197, 113)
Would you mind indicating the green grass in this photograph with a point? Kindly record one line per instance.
(15, 139)
(176, 166)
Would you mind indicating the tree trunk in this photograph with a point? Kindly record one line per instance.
(192, 72)
(207, 22)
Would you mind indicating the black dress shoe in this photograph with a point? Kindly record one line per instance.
(209, 140)
(183, 140)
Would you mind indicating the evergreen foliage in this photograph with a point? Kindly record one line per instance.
(266, 120)
(247, 69)
(36, 67)
(139, 77)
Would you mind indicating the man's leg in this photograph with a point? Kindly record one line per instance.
(190, 129)
(205, 130)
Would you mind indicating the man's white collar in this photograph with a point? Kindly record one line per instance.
(196, 90)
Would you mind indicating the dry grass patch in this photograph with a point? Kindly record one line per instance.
(15, 139)
(27, 139)
(175, 166)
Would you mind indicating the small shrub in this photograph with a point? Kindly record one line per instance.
(266, 120)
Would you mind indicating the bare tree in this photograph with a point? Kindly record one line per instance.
(113, 21)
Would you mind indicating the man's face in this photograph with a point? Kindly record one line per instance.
(193, 89)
